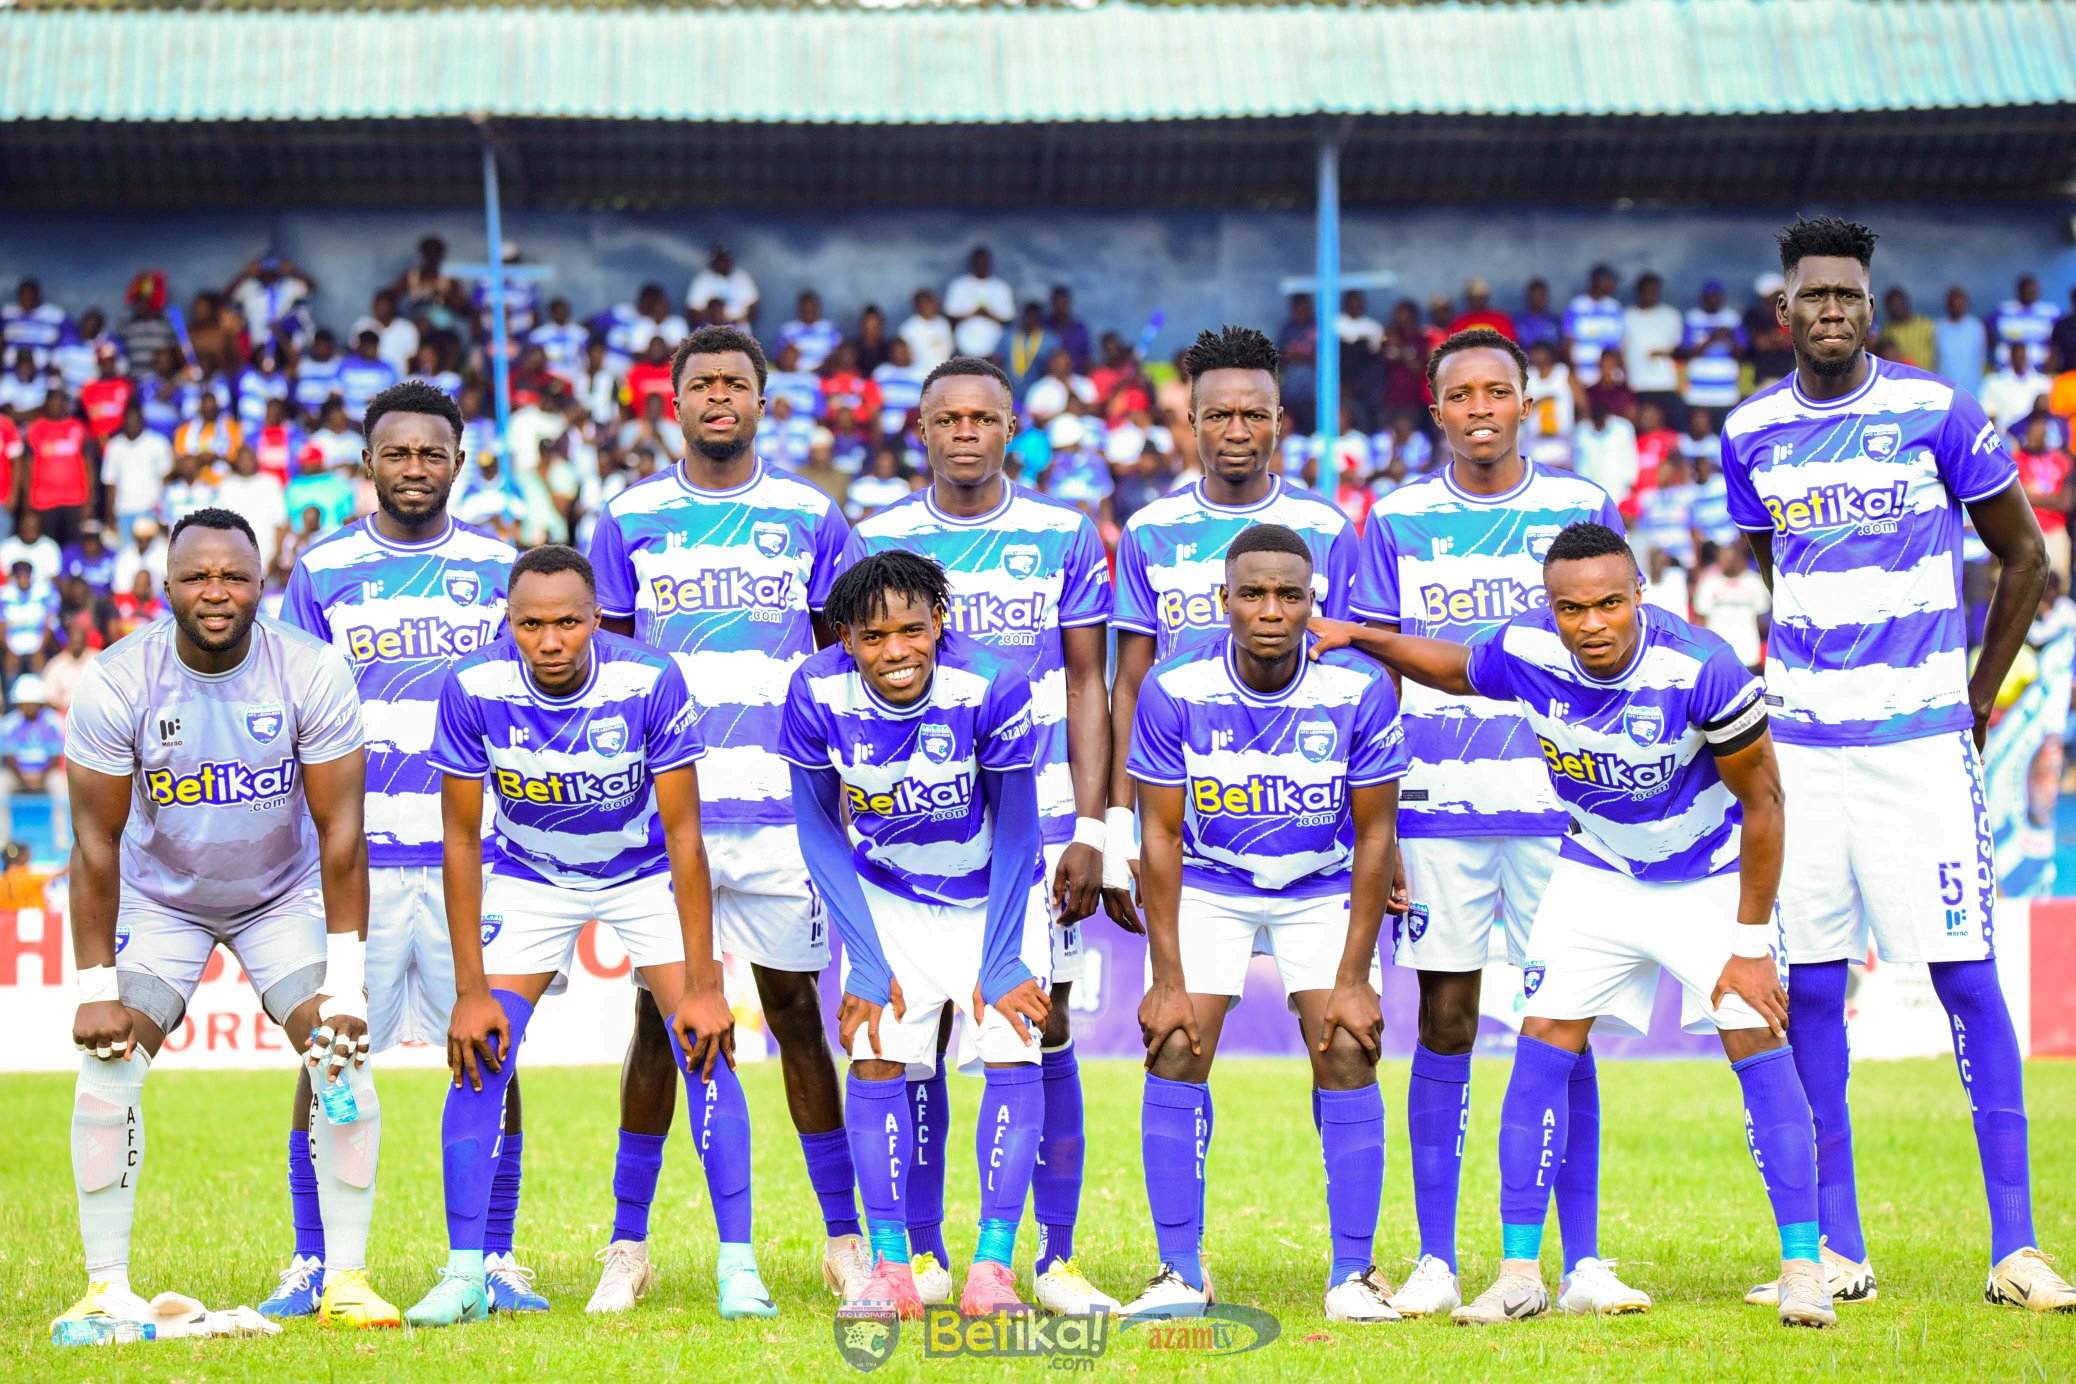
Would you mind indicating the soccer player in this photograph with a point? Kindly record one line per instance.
(1171, 559)
(1655, 739)
(402, 594)
(216, 772)
(1030, 583)
(1455, 555)
(1850, 477)
(589, 742)
(1268, 785)
(928, 744)
(723, 562)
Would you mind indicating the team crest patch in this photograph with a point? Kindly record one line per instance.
(866, 1335)
(1540, 537)
(1881, 440)
(1315, 740)
(1532, 978)
(606, 735)
(462, 587)
(936, 741)
(492, 925)
(1643, 724)
(769, 538)
(263, 723)
(1020, 560)
(122, 937)
(1416, 921)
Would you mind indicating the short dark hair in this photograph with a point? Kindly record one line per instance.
(1581, 541)
(411, 396)
(213, 517)
(969, 365)
(1824, 235)
(550, 558)
(862, 591)
(1475, 339)
(1229, 348)
(1267, 538)
(718, 341)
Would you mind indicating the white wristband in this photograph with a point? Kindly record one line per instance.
(1751, 940)
(96, 984)
(1120, 847)
(345, 967)
(1091, 831)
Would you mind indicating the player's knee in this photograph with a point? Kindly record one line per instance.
(651, 1048)
(1448, 1024)
(1740, 1043)
(793, 1009)
(1173, 1060)
(1345, 1065)
(877, 1069)
(1058, 1030)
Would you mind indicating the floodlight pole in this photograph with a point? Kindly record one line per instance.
(500, 364)
(1325, 304)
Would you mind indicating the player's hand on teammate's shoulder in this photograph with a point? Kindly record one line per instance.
(479, 1036)
(103, 1029)
(1077, 886)
(1328, 635)
(1756, 981)
(704, 1027)
(1164, 1012)
(1354, 1008)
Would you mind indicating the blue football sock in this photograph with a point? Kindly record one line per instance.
(302, 1196)
(1062, 1149)
(930, 1103)
(1173, 1135)
(636, 1166)
(1351, 1139)
(828, 1155)
(721, 1120)
(1437, 1112)
(881, 1127)
(1204, 1129)
(469, 1127)
(504, 1193)
(1005, 1144)
(1533, 1122)
(1578, 1181)
(1778, 1126)
(1985, 1047)
(1823, 1060)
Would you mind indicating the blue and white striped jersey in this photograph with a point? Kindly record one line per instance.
(1863, 498)
(401, 614)
(1628, 755)
(1594, 326)
(1171, 560)
(1265, 777)
(1019, 574)
(1442, 563)
(572, 778)
(726, 582)
(911, 774)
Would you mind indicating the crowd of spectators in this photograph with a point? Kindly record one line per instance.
(111, 430)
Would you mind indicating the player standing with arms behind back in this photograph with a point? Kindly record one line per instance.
(1030, 583)
(1455, 555)
(1849, 477)
(402, 594)
(216, 774)
(723, 563)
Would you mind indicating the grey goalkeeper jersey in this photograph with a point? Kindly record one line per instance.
(218, 823)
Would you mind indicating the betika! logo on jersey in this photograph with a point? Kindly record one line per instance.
(416, 637)
(1005, 621)
(1599, 769)
(1480, 600)
(1865, 509)
(221, 783)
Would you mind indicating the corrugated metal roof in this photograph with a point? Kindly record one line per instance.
(1115, 63)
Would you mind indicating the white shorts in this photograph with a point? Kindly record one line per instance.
(1461, 886)
(766, 909)
(410, 956)
(934, 951)
(1888, 845)
(1221, 933)
(160, 953)
(1063, 939)
(530, 928)
(1601, 938)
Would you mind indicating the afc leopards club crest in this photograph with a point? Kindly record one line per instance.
(1881, 441)
(1531, 979)
(866, 1335)
(1540, 537)
(769, 538)
(1643, 724)
(1315, 740)
(1020, 560)
(606, 735)
(1416, 921)
(462, 587)
(493, 923)
(936, 740)
(263, 723)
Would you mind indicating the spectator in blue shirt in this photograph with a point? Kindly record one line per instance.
(813, 336)
(1960, 343)
(32, 739)
(1074, 337)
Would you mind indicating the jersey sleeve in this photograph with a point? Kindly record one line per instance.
(1086, 596)
(612, 568)
(1340, 573)
(328, 722)
(1379, 754)
(1138, 609)
(803, 739)
(836, 548)
(457, 747)
(1376, 573)
(101, 728)
(1007, 737)
(300, 606)
(1745, 510)
(672, 723)
(1156, 753)
(1973, 459)
(1492, 670)
(1728, 705)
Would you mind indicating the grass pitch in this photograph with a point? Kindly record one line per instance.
(1682, 1210)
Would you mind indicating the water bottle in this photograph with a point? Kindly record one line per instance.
(336, 1097)
(100, 1331)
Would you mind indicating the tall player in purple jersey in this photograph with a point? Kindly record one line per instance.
(1030, 583)
(724, 562)
(1850, 477)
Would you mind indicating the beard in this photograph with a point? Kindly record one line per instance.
(397, 512)
(1831, 369)
(215, 643)
(720, 451)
